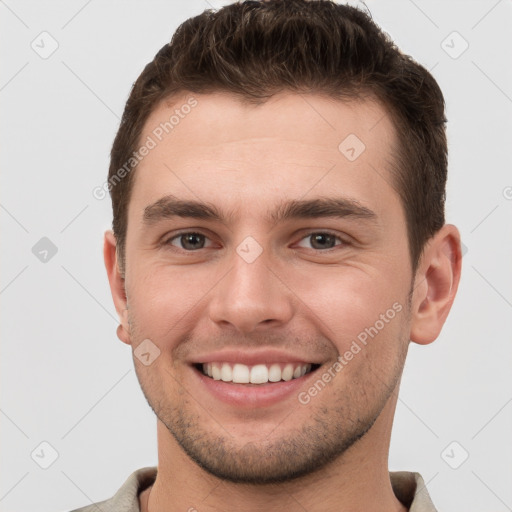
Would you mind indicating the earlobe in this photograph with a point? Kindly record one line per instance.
(436, 283)
(117, 285)
(123, 334)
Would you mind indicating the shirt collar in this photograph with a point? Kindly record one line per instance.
(408, 487)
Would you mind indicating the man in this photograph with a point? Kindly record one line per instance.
(278, 185)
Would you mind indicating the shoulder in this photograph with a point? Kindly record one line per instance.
(410, 489)
(126, 499)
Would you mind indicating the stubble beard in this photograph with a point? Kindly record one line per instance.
(287, 453)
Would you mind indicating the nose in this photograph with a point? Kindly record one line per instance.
(251, 296)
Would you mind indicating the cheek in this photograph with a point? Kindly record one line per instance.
(343, 303)
(363, 314)
(350, 300)
(162, 303)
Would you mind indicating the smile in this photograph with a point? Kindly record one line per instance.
(256, 374)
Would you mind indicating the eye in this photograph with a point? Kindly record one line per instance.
(189, 241)
(322, 240)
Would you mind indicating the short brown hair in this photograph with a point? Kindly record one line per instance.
(255, 49)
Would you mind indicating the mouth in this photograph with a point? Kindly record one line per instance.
(258, 374)
(263, 380)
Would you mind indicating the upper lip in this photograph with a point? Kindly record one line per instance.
(244, 356)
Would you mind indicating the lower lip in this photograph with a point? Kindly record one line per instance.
(252, 395)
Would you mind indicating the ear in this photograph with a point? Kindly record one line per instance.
(436, 282)
(116, 281)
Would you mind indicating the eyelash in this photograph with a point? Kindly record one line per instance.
(167, 241)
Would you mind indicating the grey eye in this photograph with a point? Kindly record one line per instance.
(189, 241)
(321, 240)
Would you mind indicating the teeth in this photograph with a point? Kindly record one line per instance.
(274, 373)
(240, 374)
(226, 373)
(216, 372)
(287, 373)
(257, 374)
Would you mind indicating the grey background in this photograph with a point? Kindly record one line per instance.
(66, 378)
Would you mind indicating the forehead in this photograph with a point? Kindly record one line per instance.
(221, 117)
(215, 147)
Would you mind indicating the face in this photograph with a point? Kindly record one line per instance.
(264, 242)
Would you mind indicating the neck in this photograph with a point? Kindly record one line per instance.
(356, 481)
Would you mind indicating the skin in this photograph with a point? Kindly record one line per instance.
(308, 299)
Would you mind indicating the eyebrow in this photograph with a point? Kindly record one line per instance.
(170, 206)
